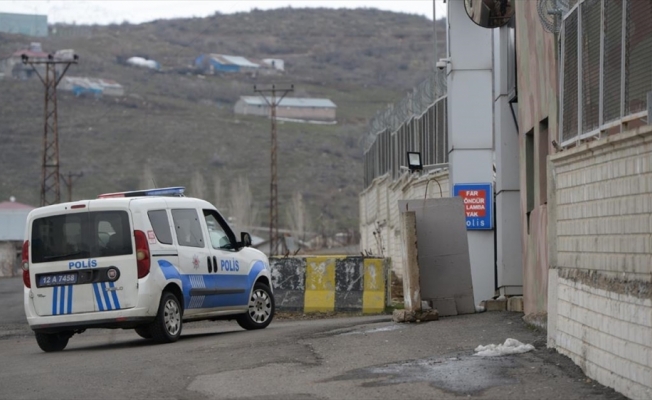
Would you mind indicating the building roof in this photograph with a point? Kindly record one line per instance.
(13, 205)
(290, 102)
(30, 54)
(234, 60)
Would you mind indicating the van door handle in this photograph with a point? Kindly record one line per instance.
(210, 267)
(215, 263)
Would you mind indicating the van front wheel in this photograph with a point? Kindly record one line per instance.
(261, 309)
(50, 342)
(166, 328)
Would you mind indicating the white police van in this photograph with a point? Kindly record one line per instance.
(146, 260)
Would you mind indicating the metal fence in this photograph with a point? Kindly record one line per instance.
(415, 123)
(606, 68)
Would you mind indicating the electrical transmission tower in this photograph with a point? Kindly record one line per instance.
(50, 188)
(273, 101)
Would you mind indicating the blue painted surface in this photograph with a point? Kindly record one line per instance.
(60, 304)
(213, 281)
(480, 222)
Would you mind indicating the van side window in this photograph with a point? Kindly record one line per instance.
(161, 225)
(187, 227)
(219, 238)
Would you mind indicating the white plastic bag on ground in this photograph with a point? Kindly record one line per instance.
(511, 346)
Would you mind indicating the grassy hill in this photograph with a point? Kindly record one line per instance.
(178, 123)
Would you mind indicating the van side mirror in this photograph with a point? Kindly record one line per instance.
(245, 239)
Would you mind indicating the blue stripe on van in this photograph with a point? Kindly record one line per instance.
(106, 297)
(116, 302)
(213, 281)
(55, 296)
(98, 298)
(70, 299)
(62, 300)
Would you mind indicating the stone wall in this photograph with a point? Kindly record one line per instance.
(600, 250)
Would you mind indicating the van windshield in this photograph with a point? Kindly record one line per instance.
(82, 235)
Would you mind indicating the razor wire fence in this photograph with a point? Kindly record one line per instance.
(417, 122)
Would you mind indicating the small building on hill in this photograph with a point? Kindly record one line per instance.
(91, 86)
(13, 217)
(289, 108)
(144, 63)
(13, 65)
(216, 63)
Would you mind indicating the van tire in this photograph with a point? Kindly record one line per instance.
(260, 309)
(143, 332)
(166, 328)
(50, 342)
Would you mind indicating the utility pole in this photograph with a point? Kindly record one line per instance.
(69, 181)
(272, 102)
(50, 188)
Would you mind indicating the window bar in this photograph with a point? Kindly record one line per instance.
(602, 41)
(623, 54)
(580, 88)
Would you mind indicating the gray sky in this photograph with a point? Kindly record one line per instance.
(117, 11)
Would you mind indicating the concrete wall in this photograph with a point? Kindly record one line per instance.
(379, 212)
(600, 281)
(330, 283)
(9, 258)
(537, 104)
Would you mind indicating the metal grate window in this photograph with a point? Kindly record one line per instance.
(591, 20)
(613, 36)
(614, 74)
(569, 129)
(638, 55)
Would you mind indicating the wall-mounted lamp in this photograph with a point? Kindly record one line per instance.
(414, 161)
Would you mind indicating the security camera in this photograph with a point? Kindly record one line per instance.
(441, 64)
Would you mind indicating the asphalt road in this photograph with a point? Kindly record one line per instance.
(339, 358)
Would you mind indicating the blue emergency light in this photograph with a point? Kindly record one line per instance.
(176, 191)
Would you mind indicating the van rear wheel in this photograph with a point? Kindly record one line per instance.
(166, 328)
(50, 342)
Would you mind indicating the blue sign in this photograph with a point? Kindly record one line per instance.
(478, 204)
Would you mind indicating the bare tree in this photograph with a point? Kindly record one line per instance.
(297, 217)
(198, 186)
(147, 180)
(218, 197)
(241, 207)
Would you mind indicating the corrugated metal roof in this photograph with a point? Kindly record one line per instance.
(235, 60)
(291, 102)
(12, 205)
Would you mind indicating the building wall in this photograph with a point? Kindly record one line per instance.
(600, 281)
(379, 212)
(537, 119)
(24, 24)
(318, 114)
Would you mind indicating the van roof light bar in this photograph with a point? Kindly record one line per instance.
(176, 191)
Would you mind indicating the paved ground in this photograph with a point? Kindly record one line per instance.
(339, 358)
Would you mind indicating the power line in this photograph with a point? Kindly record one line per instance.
(70, 180)
(273, 198)
(50, 187)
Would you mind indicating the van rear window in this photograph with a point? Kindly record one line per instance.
(81, 235)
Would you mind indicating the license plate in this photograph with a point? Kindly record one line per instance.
(68, 278)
